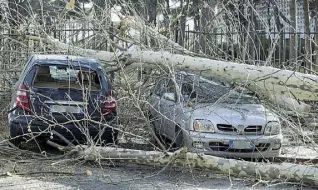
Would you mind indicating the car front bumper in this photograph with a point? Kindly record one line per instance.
(247, 146)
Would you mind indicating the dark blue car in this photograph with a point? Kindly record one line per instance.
(62, 94)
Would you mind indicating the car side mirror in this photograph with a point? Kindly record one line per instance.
(169, 96)
(12, 81)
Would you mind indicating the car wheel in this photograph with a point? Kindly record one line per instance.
(15, 138)
(162, 139)
(179, 139)
(152, 125)
(110, 139)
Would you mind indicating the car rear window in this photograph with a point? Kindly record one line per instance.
(57, 77)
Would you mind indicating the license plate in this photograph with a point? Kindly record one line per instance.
(241, 145)
(65, 109)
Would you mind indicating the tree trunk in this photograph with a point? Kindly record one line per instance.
(316, 35)
(243, 28)
(251, 38)
(293, 38)
(166, 19)
(308, 51)
(197, 24)
(281, 33)
(231, 167)
(183, 20)
(279, 86)
(151, 6)
(206, 17)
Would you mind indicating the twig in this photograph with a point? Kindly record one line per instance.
(59, 147)
(41, 172)
(62, 138)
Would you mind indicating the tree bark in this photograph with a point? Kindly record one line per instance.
(308, 51)
(293, 38)
(237, 168)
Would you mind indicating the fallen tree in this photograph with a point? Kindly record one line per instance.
(283, 87)
(304, 174)
(232, 167)
(286, 88)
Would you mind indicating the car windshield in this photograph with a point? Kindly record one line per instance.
(205, 91)
(57, 77)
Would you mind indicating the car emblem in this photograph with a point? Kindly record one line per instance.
(240, 128)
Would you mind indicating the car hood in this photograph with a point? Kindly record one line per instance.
(239, 114)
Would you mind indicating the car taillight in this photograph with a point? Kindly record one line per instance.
(110, 104)
(22, 100)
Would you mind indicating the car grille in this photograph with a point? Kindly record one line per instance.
(252, 129)
(226, 128)
(218, 146)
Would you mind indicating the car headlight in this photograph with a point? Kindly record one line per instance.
(272, 128)
(203, 126)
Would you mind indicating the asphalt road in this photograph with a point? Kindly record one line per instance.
(90, 176)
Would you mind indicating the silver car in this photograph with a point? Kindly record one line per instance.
(209, 117)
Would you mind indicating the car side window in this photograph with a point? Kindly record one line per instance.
(164, 86)
(160, 87)
(188, 88)
(171, 87)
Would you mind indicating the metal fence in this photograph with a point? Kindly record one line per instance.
(256, 47)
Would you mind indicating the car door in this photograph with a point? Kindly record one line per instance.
(156, 104)
(168, 108)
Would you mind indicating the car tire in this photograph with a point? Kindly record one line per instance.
(110, 141)
(152, 125)
(179, 139)
(110, 135)
(15, 138)
(162, 139)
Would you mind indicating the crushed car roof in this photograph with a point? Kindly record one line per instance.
(61, 60)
